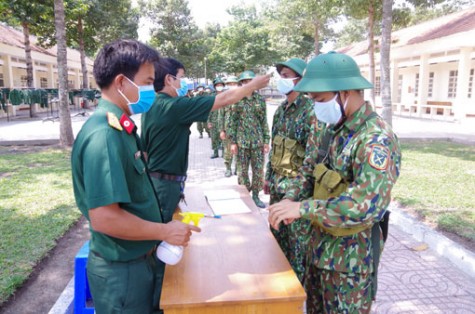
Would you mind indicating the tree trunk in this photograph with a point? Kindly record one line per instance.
(316, 37)
(85, 82)
(371, 47)
(29, 63)
(66, 137)
(386, 61)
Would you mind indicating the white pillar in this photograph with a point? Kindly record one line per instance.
(423, 83)
(463, 75)
(394, 82)
(78, 83)
(50, 75)
(7, 71)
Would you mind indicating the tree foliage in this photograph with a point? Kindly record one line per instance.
(174, 33)
(244, 44)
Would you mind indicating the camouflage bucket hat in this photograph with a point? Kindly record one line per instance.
(218, 80)
(295, 64)
(246, 75)
(332, 72)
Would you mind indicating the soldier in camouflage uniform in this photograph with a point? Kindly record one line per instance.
(293, 122)
(249, 136)
(213, 118)
(231, 83)
(201, 126)
(351, 186)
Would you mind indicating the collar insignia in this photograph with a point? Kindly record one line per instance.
(128, 125)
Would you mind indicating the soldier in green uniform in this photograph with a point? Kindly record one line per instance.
(213, 118)
(113, 190)
(231, 82)
(166, 128)
(292, 125)
(249, 136)
(201, 125)
(351, 183)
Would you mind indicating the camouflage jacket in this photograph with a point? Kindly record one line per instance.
(366, 154)
(214, 115)
(293, 121)
(224, 118)
(248, 122)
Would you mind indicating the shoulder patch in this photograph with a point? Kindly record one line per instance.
(378, 159)
(113, 121)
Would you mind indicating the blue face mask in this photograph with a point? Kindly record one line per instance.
(145, 101)
(183, 88)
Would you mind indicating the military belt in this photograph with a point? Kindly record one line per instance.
(169, 177)
(142, 257)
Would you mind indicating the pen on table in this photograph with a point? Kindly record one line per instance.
(209, 205)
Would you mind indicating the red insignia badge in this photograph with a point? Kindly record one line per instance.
(127, 124)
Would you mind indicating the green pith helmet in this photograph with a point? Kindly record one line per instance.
(218, 80)
(202, 85)
(246, 75)
(295, 64)
(231, 79)
(332, 72)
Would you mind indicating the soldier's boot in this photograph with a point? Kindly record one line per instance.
(228, 173)
(215, 154)
(257, 201)
(201, 135)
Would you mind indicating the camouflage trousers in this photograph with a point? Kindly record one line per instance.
(255, 158)
(215, 140)
(202, 126)
(293, 239)
(227, 155)
(336, 292)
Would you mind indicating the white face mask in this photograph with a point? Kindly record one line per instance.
(286, 85)
(328, 111)
(219, 88)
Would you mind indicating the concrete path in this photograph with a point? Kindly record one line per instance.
(413, 278)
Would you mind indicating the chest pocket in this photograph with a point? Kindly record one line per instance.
(287, 156)
(329, 183)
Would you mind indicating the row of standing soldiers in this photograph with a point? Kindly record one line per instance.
(241, 130)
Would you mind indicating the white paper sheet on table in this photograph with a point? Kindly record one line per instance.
(227, 194)
(229, 206)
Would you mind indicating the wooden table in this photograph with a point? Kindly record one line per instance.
(233, 266)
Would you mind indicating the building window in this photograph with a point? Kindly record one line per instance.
(399, 89)
(377, 86)
(23, 81)
(416, 87)
(43, 82)
(452, 84)
(470, 84)
(2, 83)
(431, 85)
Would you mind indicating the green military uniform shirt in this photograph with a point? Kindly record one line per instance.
(248, 126)
(366, 153)
(107, 168)
(166, 131)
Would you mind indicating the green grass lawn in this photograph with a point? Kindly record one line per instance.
(438, 181)
(36, 208)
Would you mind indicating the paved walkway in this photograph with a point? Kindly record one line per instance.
(413, 278)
